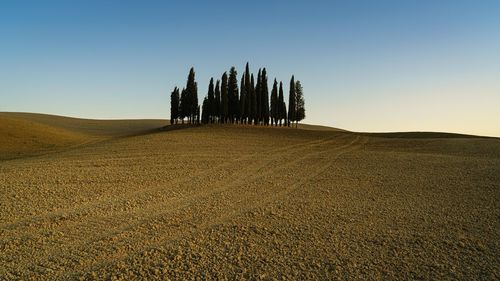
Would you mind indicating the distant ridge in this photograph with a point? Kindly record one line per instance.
(423, 135)
(96, 127)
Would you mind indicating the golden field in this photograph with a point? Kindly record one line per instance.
(132, 199)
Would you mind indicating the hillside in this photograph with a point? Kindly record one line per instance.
(245, 202)
(27, 134)
(21, 137)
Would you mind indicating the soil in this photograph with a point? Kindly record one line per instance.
(245, 202)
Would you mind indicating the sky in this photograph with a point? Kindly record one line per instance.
(374, 66)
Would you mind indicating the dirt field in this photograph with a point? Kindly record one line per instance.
(232, 202)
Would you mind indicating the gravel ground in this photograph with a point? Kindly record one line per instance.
(229, 202)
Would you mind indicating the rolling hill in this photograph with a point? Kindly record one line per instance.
(26, 134)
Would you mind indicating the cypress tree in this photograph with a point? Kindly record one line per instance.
(248, 93)
(192, 94)
(292, 107)
(210, 102)
(254, 100)
(198, 115)
(178, 107)
(204, 111)
(184, 107)
(243, 97)
(264, 98)
(174, 105)
(217, 107)
(274, 103)
(232, 92)
(300, 113)
(281, 105)
(224, 99)
(194, 99)
(258, 114)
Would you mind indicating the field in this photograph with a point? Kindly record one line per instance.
(131, 200)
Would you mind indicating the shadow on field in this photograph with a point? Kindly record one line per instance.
(166, 128)
(391, 135)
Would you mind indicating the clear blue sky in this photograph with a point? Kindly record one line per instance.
(365, 65)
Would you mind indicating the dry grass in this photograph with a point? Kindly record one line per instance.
(254, 203)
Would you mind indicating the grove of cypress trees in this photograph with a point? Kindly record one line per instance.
(216, 105)
(224, 99)
(281, 106)
(210, 102)
(264, 97)
(224, 103)
(232, 92)
(274, 104)
(174, 105)
(292, 108)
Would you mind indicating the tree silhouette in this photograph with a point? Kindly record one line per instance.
(248, 96)
(192, 95)
(282, 106)
(274, 104)
(242, 100)
(198, 115)
(184, 108)
(205, 114)
(264, 97)
(233, 94)
(300, 113)
(210, 102)
(292, 108)
(174, 105)
(254, 100)
(195, 105)
(224, 99)
(258, 95)
(217, 107)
